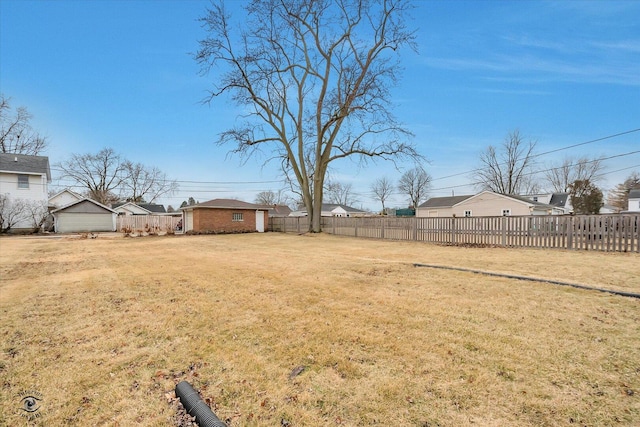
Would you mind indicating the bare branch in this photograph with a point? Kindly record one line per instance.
(313, 79)
(16, 134)
(507, 171)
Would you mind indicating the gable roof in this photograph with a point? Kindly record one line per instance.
(332, 206)
(151, 207)
(634, 194)
(559, 199)
(522, 199)
(66, 190)
(277, 210)
(129, 207)
(25, 164)
(225, 204)
(444, 202)
(83, 200)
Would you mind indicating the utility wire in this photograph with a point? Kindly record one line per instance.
(549, 152)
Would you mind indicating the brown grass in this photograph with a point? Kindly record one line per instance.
(104, 328)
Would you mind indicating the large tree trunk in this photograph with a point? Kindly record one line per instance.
(315, 222)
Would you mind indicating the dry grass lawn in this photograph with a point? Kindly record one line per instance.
(102, 330)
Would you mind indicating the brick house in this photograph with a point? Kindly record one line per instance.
(224, 216)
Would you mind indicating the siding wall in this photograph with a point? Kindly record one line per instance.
(36, 195)
(37, 187)
(490, 205)
(486, 204)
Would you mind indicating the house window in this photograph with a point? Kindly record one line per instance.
(467, 213)
(23, 181)
(506, 212)
(535, 198)
(238, 217)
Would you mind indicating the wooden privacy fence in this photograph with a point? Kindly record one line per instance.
(594, 232)
(147, 223)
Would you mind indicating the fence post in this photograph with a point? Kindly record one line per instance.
(570, 233)
(453, 230)
(504, 231)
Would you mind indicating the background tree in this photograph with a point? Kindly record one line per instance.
(313, 80)
(269, 197)
(16, 134)
(107, 178)
(586, 198)
(507, 168)
(141, 183)
(339, 193)
(415, 183)
(382, 188)
(560, 177)
(619, 196)
(190, 202)
(16, 211)
(100, 175)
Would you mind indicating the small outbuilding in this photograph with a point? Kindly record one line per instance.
(84, 215)
(225, 216)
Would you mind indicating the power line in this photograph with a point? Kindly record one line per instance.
(550, 152)
(559, 167)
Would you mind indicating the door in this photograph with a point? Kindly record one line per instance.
(260, 221)
(188, 221)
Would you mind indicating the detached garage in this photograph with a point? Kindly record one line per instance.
(225, 216)
(83, 216)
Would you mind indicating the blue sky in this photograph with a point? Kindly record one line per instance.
(120, 74)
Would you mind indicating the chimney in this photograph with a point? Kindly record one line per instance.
(15, 159)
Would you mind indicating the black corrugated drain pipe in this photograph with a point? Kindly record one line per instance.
(196, 407)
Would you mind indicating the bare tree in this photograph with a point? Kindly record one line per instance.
(415, 183)
(560, 177)
(339, 193)
(100, 174)
(270, 197)
(141, 183)
(106, 178)
(313, 80)
(619, 196)
(507, 169)
(382, 188)
(16, 134)
(21, 213)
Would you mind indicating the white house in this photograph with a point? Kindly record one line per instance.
(329, 209)
(634, 201)
(24, 181)
(559, 200)
(64, 198)
(130, 208)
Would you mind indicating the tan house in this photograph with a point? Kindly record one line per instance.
(224, 216)
(486, 203)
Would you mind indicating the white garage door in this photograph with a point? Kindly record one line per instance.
(72, 222)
